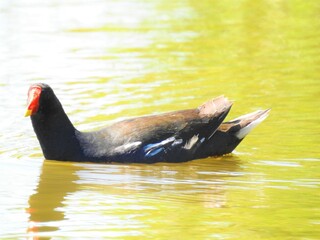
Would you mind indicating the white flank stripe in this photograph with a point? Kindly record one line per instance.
(191, 142)
(126, 147)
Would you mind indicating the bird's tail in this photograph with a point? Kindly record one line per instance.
(241, 126)
(231, 133)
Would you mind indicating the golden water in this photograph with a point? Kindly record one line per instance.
(108, 60)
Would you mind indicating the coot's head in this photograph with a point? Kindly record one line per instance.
(41, 99)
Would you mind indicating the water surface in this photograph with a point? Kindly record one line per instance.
(109, 60)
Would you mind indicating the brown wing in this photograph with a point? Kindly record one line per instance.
(183, 124)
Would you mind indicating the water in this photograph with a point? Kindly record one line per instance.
(109, 60)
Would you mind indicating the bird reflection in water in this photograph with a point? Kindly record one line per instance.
(56, 182)
(163, 187)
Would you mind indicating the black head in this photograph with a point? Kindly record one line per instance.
(41, 99)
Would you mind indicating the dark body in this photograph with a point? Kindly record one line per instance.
(171, 137)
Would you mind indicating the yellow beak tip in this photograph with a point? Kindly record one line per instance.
(28, 113)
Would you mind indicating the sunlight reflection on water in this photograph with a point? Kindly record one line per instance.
(109, 60)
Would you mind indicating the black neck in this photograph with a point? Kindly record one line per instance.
(56, 134)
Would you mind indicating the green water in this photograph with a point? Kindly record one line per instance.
(109, 60)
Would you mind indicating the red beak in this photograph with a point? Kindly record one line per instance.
(33, 100)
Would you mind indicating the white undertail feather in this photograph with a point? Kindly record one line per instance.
(251, 115)
(245, 130)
